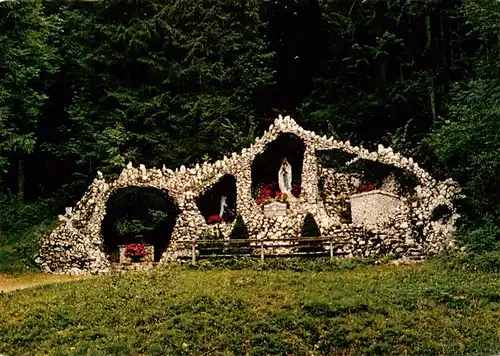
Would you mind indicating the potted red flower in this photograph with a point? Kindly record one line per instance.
(135, 251)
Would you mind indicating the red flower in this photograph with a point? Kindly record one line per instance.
(270, 192)
(135, 250)
(264, 193)
(214, 219)
(366, 187)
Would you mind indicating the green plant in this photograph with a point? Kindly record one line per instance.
(240, 230)
(134, 226)
(488, 262)
(21, 226)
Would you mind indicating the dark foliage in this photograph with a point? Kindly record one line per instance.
(240, 230)
(87, 86)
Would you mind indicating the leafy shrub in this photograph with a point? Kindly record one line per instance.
(21, 226)
(482, 236)
(240, 230)
(481, 262)
(131, 226)
(284, 264)
(466, 147)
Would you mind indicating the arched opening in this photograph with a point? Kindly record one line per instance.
(377, 175)
(138, 215)
(219, 200)
(441, 213)
(266, 166)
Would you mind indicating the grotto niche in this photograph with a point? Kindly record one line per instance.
(389, 215)
(218, 202)
(266, 167)
(138, 215)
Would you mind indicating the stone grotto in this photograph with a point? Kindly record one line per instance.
(372, 220)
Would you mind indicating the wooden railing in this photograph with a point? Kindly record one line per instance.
(254, 248)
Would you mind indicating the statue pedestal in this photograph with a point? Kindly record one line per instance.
(275, 209)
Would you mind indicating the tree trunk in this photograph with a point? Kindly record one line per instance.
(20, 178)
(432, 100)
(432, 93)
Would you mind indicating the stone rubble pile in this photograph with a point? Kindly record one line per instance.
(336, 189)
(75, 246)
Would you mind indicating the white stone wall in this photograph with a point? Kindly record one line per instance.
(374, 208)
(76, 246)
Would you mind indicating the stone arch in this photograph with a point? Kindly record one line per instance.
(146, 214)
(208, 202)
(265, 166)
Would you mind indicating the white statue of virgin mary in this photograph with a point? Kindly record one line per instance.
(285, 177)
(223, 205)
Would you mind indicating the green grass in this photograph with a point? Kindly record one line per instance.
(420, 309)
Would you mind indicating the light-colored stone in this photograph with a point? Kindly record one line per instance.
(374, 208)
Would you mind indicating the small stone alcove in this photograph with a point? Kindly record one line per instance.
(209, 201)
(378, 197)
(138, 214)
(441, 213)
(377, 175)
(266, 165)
(334, 159)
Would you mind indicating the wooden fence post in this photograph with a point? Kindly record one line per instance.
(331, 247)
(262, 251)
(193, 252)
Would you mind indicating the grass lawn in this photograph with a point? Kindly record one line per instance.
(386, 309)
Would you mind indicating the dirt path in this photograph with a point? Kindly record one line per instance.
(12, 282)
